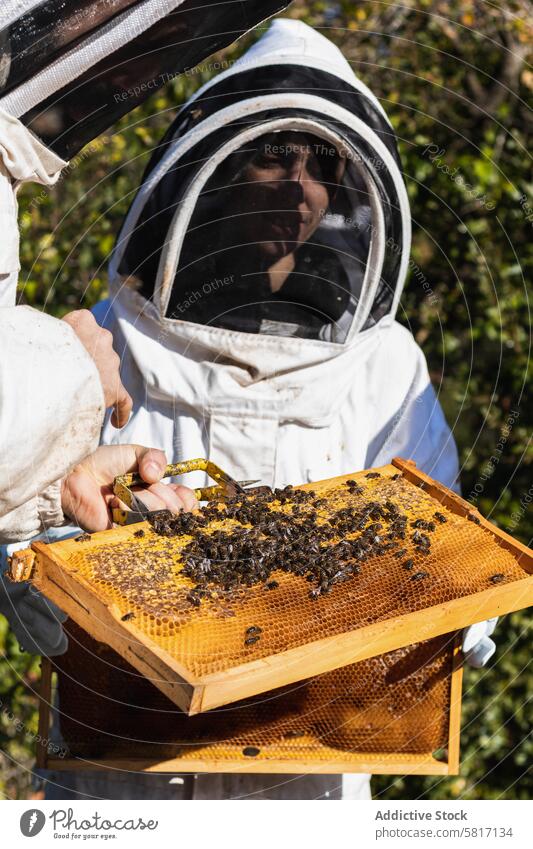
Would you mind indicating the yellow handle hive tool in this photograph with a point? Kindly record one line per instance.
(226, 487)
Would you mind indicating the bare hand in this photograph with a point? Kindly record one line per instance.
(99, 344)
(87, 491)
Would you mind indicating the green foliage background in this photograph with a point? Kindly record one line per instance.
(449, 74)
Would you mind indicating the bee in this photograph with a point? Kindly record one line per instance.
(193, 599)
(420, 539)
(127, 617)
(254, 629)
(249, 641)
(251, 751)
(440, 517)
(496, 579)
(421, 523)
(354, 487)
(419, 576)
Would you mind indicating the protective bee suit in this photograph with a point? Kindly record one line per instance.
(299, 382)
(68, 69)
(254, 286)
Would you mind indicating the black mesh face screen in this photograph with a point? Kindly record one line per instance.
(278, 242)
(141, 63)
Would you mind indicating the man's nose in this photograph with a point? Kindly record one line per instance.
(293, 192)
(293, 186)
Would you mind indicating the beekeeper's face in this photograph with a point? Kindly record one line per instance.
(284, 189)
(276, 221)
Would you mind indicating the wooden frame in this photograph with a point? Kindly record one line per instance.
(348, 762)
(197, 694)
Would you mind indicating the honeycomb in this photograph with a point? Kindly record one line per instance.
(142, 576)
(388, 707)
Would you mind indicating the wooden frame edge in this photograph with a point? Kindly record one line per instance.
(421, 765)
(456, 704)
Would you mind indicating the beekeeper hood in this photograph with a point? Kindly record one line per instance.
(267, 246)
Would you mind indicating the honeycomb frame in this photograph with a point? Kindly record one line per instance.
(58, 567)
(410, 726)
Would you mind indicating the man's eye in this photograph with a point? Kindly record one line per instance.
(268, 159)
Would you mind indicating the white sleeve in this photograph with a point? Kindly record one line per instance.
(9, 241)
(51, 412)
(409, 421)
(23, 158)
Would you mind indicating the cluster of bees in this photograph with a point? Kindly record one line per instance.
(305, 540)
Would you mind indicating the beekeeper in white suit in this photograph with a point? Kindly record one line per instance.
(254, 287)
(68, 69)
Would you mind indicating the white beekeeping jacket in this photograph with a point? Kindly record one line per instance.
(51, 399)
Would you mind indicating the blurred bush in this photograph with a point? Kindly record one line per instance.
(453, 78)
(19, 677)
